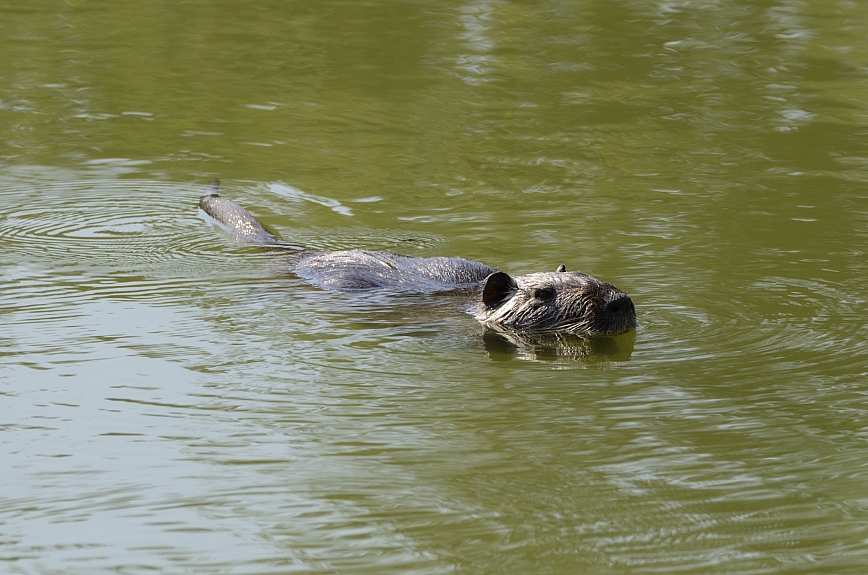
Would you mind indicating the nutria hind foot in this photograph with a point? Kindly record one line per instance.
(236, 220)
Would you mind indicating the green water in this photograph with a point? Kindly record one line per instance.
(172, 402)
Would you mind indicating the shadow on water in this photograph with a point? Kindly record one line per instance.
(558, 347)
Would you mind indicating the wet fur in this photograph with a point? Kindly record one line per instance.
(559, 300)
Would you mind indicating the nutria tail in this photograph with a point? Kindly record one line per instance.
(236, 220)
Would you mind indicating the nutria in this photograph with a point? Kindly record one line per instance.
(559, 300)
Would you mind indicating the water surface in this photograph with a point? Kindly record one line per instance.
(174, 402)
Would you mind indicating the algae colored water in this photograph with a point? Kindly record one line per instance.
(172, 401)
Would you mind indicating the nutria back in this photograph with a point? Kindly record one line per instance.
(362, 269)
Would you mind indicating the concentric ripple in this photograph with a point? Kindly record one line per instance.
(66, 244)
(782, 329)
(102, 221)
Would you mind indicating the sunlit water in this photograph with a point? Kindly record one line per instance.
(172, 401)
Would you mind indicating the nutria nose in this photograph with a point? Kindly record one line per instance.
(621, 304)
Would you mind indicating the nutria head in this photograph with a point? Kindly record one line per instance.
(559, 300)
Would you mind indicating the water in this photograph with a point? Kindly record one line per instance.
(173, 402)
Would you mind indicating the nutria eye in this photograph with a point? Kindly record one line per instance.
(543, 293)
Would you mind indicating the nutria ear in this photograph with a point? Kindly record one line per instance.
(561, 268)
(499, 287)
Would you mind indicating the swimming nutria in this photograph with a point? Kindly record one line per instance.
(558, 300)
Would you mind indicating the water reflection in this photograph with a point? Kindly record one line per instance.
(476, 67)
(557, 347)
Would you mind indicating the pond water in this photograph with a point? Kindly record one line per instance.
(172, 401)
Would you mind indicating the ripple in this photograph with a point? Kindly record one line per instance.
(775, 327)
(69, 243)
(106, 221)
